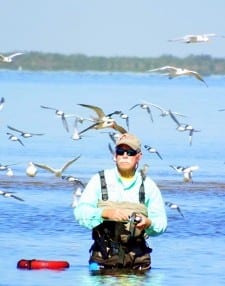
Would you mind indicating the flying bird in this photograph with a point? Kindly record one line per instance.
(103, 120)
(60, 114)
(73, 180)
(14, 138)
(152, 150)
(174, 206)
(184, 127)
(165, 112)
(125, 117)
(173, 72)
(186, 171)
(56, 172)
(24, 133)
(144, 106)
(188, 39)
(10, 195)
(9, 59)
(6, 167)
(76, 135)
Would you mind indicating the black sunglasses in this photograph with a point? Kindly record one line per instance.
(130, 152)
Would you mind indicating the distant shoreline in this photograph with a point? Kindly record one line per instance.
(37, 61)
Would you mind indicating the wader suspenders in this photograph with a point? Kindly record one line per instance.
(103, 186)
(105, 192)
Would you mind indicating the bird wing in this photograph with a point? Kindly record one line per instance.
(132, 107)
(14, 129)
(22, 132)
(159, 155)
(46, 167)
(69, 163)
(158, 107)
(47, 107)
(97, 109)
(17, 198)
(20, 141)
(39, 134)
(193, 168)
(198, 76)
(179, 210)
(173, 117)
(164, 68)
(2, 100)
(65, 123)
(89, 127)
(177, 169)
(119, 128)
(15, 55)
(111, 150)
(150, 113)
(9, 194)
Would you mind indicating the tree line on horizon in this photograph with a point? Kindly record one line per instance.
(39, 61)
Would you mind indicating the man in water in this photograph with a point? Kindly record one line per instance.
(123, 207)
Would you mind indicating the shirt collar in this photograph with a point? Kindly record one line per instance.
(127, 184)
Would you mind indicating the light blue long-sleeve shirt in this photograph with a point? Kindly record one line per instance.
(89, 215)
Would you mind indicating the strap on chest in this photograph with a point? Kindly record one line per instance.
(105, 191)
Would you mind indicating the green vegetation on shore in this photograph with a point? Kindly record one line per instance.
(36, 61)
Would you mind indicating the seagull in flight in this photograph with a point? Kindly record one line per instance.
(184, 127)
(186, 171)
(6, 167)
(60, 114)
(9, 58)
(152, 150)
(174, 206)
(57, 172)
(172, 71)
(76, 135)
(14, 138)
(188, 39)
(73, 180)
(24, 133)
(103, 120)
(165, 112)
(125, 117)
(10, 195)
(144, 106)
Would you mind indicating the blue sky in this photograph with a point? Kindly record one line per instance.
(111, 27)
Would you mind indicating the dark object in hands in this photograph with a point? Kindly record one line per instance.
(134, 218)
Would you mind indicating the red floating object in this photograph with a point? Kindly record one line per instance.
(33, 264)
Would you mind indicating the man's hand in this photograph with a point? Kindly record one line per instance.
(116, 214)
(144, 223)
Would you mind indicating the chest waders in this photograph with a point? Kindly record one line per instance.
(120, 244)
